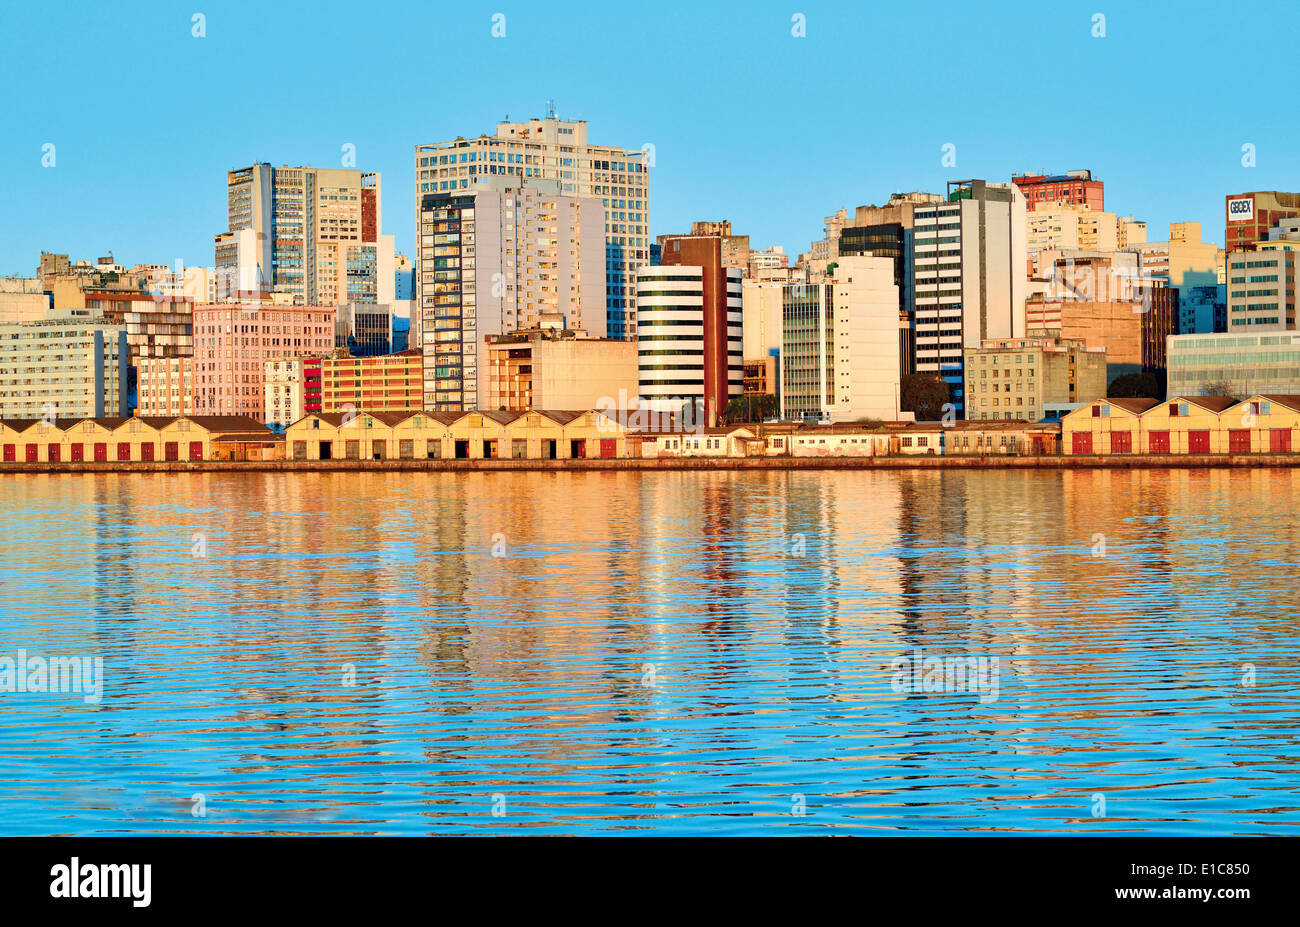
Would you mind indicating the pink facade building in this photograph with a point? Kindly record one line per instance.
(233, 342)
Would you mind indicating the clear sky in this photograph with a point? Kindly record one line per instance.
(749, 123)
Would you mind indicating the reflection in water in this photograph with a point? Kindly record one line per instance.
(661, 652)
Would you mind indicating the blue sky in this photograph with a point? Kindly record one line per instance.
(748, 122)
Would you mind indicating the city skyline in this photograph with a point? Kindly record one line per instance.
(882, 112)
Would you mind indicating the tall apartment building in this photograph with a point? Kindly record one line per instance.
(66, 365)
(970, 276)
(1261, 289)
(1032, 378)
(1249, 216)
(555, 150)
(1076, 187)
(689, 340)
(507, 255)
(233, 342)
(314, 234)
(839, 356)
(554, 370)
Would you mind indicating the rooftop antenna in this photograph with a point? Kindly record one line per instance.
(550, 109)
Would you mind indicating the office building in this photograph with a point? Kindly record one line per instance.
(554, 150)
(839, 356)
(689, 341)
(1247, 362)
(970, 276)
(1261, 289)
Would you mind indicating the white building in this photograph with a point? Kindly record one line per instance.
(970, 275)
(839, 354)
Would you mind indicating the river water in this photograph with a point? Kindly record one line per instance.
(662, 652)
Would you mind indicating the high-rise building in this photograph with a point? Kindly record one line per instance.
(689, 339)
(314, 234)
(735, 248)
(1249, 216)
(502, 256)
(233, 342)
(839, 354)
(552, 149)
(283, 390)
(1075, 187)
(970, 275)
(1261, 290)
(67, 365)
(364, 329)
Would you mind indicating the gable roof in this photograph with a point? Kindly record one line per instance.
(1290, 401)
(1209, 403)
(1130, 404)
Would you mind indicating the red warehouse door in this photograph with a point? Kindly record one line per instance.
(1082, 443)
(123, 450)
(171, 451)
(608, 447)
(78, 452)
(146, 452)
(1121, 442)
(196, 450)
(101, 451)
(1159, 442)
(52, 453)
(31, 453)
(10, 453)
(1279, 441)
(1198, 442)
(1239, 441)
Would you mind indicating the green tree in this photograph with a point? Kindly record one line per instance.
(1219, 388)
(924, 394)
(751, 407)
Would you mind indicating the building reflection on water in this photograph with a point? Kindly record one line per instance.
(591, 632)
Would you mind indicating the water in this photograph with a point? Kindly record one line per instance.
(666, 653)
